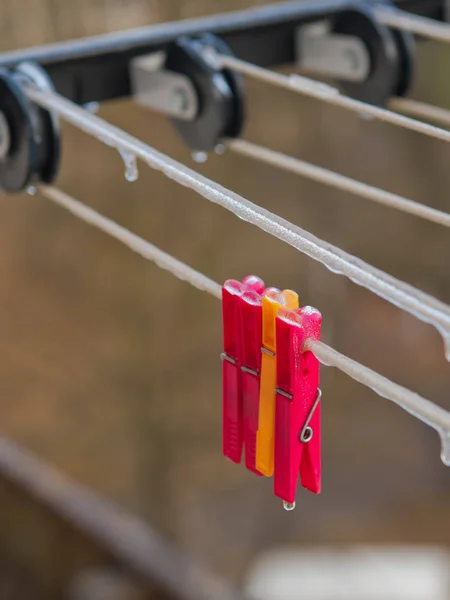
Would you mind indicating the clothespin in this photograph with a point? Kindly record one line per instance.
(251, 330)
(232, 401)
(297, 415)
(272, 301)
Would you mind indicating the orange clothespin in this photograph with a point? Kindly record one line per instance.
(272, 301)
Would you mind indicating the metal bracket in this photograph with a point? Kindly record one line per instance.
(447, 11)
(329, 54)
(165, 91)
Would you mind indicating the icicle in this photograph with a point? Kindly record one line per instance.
(131, 168)
(199, 157)
(445, 447)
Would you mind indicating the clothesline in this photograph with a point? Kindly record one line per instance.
(418, 303)
(421, 408)
(327, 93)
(335, 180)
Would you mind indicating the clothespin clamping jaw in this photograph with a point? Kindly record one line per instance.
(204, 101)
(29, 135)
(297, 416)
(273, 300)
(371, 62)
(239, 313)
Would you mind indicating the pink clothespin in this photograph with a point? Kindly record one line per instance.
(251, 329)
(232, 400)
(297, 411)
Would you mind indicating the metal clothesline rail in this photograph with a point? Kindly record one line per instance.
(134, 543)
(95, 69)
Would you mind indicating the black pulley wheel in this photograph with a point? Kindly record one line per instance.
(406, 46)
(217, 117)
(29, 135)
(18, 158)
(47, 131)
(383, 79)
(235, 82)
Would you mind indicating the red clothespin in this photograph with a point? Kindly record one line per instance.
(232, 401)
(251, 329)
(297, 411)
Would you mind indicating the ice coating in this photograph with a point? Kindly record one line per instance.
(445, 447)
(426, 411)
(446, 337)
(131, 168)
(255, 283)
(275, 295)
(406, 297)
(290, 316)
(234, 287)
(309, 86)
(310, 310)
(252, 297)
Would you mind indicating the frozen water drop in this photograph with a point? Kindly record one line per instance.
(31, 190)
(92, 107)
(446, 338)
(131, 168)
(220, 149)
(445, 447)
(199, 157)
(288, 505)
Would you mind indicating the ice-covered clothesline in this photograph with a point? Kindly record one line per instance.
(421, 408)
(420, 304)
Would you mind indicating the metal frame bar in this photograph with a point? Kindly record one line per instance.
(96, 68)
(132, 542)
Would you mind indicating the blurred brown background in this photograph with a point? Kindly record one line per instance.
(109, 367)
